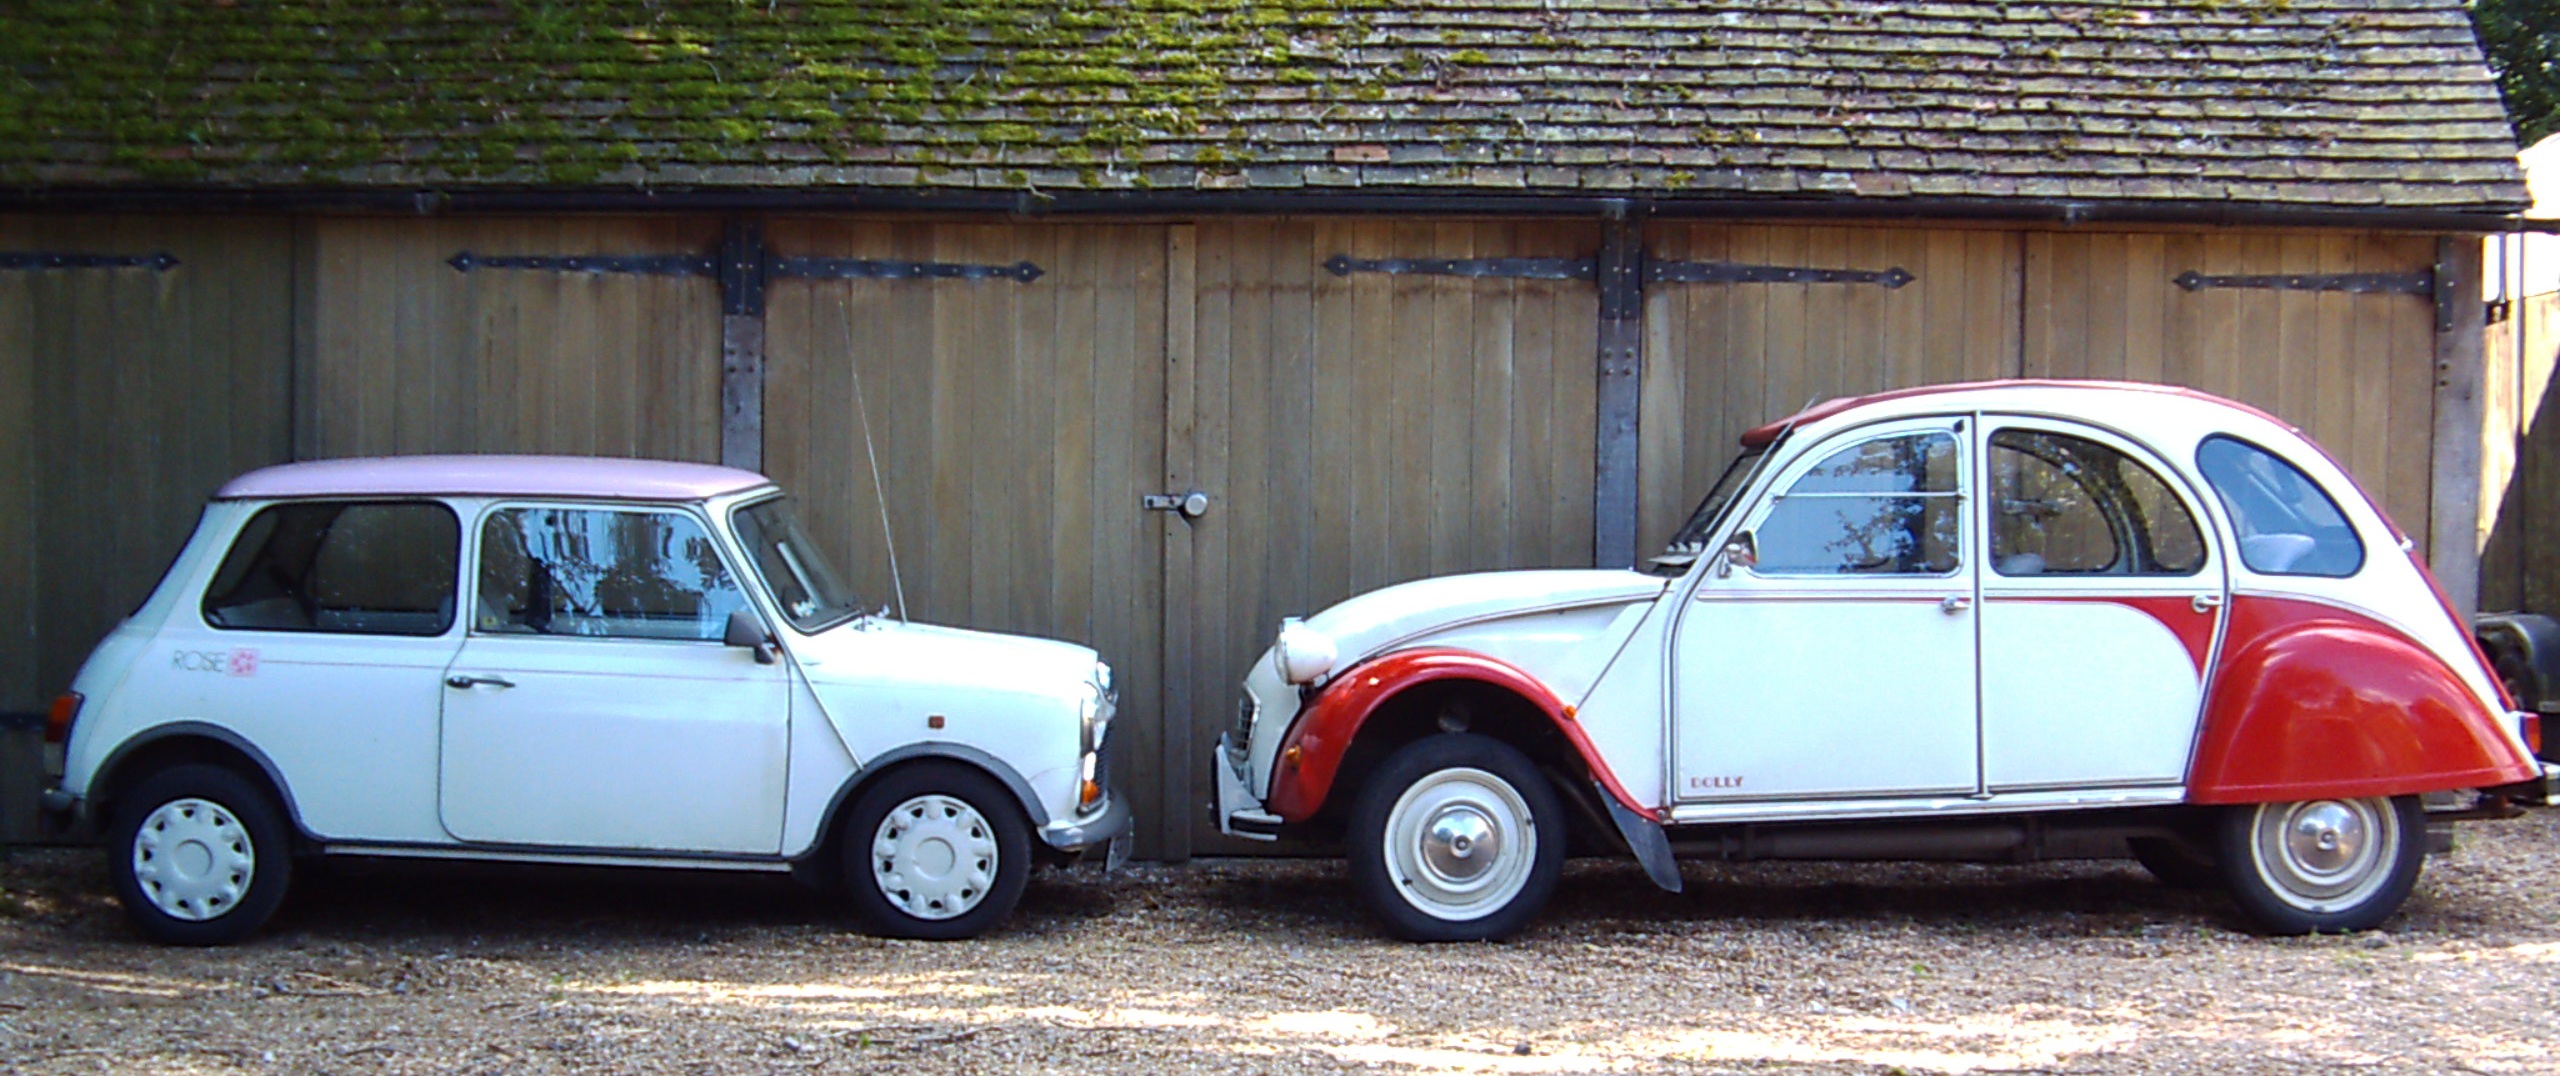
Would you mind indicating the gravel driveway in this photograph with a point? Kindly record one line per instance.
(1265, 966)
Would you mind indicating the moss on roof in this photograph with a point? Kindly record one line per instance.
(2345, 103)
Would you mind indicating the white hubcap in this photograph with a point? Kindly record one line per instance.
(193, 860)
(2326, 855)
(1459, 844)
(934, 857)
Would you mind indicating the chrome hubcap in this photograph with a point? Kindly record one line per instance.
(2326, 855)
(1459, 844)
(934, 857)
(192, 859)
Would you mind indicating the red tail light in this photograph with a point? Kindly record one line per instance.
(57, 723)
(2532, 729)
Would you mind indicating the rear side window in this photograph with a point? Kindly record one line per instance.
(2287, 524)
(340, 567)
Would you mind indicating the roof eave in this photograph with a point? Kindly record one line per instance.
(428, 201)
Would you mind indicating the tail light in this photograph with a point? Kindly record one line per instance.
(57, 722)
(2531, 726)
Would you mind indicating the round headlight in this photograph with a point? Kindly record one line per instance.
(1302, 653)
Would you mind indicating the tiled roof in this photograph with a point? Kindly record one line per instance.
(2379, 104)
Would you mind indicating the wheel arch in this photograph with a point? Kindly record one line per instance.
(817, 862)
(179, 743)
(2323, 704)
(1371, 710)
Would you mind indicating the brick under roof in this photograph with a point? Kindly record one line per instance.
(2375, 104)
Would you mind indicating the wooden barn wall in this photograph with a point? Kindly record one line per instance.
(1721, 359)
(1017, 425)
(402, 353)
(1361, 430)
(2354, 370)
(127, 395)
(2520, 569)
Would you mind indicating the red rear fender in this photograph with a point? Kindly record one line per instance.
(2316, 702)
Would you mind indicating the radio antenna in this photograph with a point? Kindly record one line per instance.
(879, 493)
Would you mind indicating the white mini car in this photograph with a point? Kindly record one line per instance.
(564, 660)
(2000, 621)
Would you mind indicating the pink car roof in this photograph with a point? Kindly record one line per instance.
(501, 476)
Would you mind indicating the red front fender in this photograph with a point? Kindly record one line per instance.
(1311, 755)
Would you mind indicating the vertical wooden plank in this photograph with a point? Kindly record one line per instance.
(2456, 321)
(1953, 293)
(2146, 300)
(1532, 329)
(1377, 526)
(1334, 422)
(1490, 487)
(1664, 394)
(19, 516)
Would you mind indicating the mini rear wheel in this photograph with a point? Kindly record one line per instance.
(2322, 865)
(200, 855)
(1456, 837)
(935, 850)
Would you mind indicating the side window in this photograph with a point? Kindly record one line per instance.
(377, 569)
(2064, 505)
(2287, 525)
(606, 573)
(1882, 507)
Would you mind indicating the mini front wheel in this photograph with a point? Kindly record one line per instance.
(1456, 837)
(200, 855)
(2322, 865)
(935, 850)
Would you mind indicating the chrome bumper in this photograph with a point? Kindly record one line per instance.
(1239, 814)
(1110, 826)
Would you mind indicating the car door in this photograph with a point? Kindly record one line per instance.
(2101, 599)
(593, 704)
(1836, 657)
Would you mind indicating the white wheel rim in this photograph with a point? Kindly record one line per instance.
(934, 857)
(1459, 844)
(2325, 856)
(193, 860)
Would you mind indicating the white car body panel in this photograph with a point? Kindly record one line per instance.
(2128, 694)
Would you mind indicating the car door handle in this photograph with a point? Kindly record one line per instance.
(475, 681)
(2205, 603)
(1954, 603)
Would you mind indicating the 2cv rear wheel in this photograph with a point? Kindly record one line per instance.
(2322, 865)
(1456, 837)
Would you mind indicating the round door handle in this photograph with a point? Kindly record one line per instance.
(1195, 504)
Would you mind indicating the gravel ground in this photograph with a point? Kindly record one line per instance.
(1266, 966)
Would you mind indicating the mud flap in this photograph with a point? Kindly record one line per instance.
(1644, 837)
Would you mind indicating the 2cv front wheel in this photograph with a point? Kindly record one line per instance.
(1456, 837)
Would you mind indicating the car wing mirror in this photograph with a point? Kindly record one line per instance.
(747, 631)
(1742, 550)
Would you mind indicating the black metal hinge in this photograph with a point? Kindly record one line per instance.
(1492, 268)
(1655, 272)
(159, 263)
(1679, 272)
(2420, 282)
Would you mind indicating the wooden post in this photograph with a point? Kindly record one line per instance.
(1177, 761)
(2453, 516)
(1614, 502)
(742, 345)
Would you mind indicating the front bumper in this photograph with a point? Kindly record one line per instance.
(1239, 814)
(1110, 825)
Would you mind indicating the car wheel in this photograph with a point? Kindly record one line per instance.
(2176, 863)
(935, 850)
(2322, 865)
(200, 855)
(1456, 837)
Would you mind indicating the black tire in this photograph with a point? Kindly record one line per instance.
(965, 838)
(1424, 816)
(2322, 865)
(2178, 864)
(201, 855)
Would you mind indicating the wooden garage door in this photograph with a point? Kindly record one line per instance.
(1017, 426)
(1358, 430)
